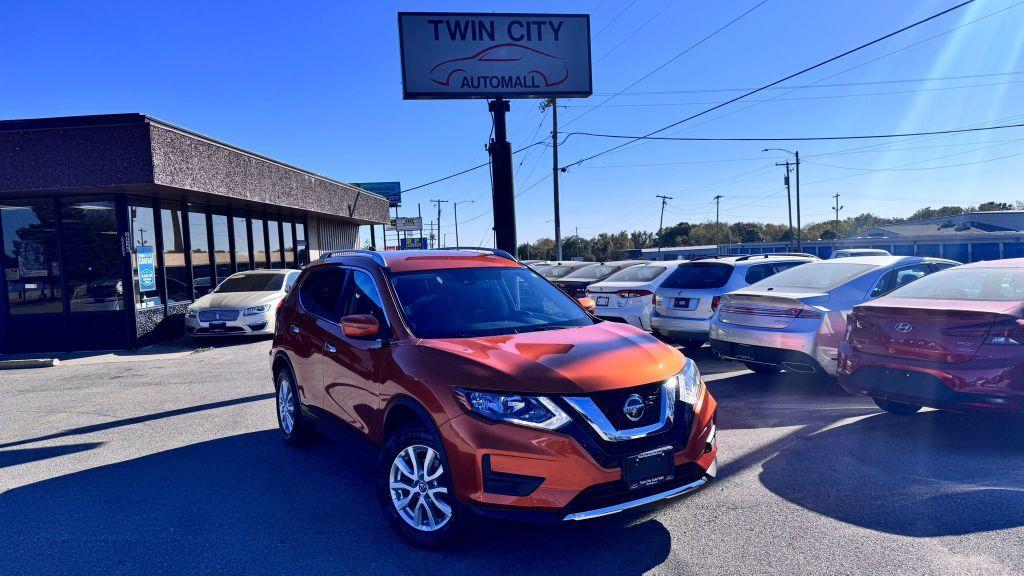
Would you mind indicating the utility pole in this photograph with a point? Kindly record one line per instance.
(835, 239)
(661, 221)
(438, 203)
(789, 203)
(504, 197)
(553, 104)
(455, 207)
(799, 227)
(718, 241)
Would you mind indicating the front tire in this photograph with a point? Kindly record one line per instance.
(896, 407)
(294, 428)
(415, 489)
(762, 369)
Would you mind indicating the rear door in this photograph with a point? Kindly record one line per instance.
(352, 366)
(319, 295)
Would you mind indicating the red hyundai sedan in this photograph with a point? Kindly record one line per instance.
(951, 340)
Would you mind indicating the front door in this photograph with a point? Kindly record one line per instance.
(352, 366)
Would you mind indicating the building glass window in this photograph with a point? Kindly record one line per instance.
(31, 261)
(241, 232)
(146, 274)
(178, 289)
(289, 244)
(221, 246)
(92, 256)
(274, 235)
(201, 276)
(301, 246)
(259, 244)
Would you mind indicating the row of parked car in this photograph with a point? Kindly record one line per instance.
(908, 331)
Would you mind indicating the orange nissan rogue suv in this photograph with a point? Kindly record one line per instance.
(487, 391)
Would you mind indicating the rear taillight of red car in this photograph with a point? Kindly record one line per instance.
(1008, 332)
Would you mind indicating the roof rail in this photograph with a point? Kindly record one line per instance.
(494, 251)
(715, 256)
(770, 254)
(371, 254)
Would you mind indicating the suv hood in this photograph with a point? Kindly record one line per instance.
(237, 300)
(604, 356)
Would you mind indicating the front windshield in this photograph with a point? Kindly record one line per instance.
(815, 276)
(251, 283)
(469, 302)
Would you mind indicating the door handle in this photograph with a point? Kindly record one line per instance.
(295, 329)
(330, 348)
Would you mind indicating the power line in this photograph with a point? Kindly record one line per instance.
(635, 32)
(672, 59)
(470, 169)
(613, 20)
(787, 138)
(775, 83)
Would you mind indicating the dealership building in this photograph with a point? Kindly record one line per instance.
(113, 224)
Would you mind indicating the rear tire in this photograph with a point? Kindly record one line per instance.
(415, 489)
(762, 369)
(294, 428)
(896, 407)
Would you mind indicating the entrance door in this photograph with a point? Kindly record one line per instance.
(94, 264)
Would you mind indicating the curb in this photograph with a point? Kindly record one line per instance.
(29, 363)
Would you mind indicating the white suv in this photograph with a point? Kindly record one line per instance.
(687, 299)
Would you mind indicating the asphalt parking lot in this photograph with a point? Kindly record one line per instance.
(174, 466)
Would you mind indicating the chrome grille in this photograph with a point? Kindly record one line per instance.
(218, 315)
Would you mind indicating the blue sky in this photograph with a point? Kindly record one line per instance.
(317, 84)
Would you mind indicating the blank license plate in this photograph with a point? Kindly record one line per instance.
(648, 468)
(602, 300)
(681, 303)
(218, 326)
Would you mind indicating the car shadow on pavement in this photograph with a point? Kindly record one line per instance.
(929, 474)
(249, 504)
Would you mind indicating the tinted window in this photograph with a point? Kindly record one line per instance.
(201, 272)
(781, 266)
(251, 283)
(362, 297)
(259, 246)
(178, 289)
(274, 240)
(699, 275)
(816, 275)
(241, 233)
(637, 274)
(31, 263)
(900, 277)
(483, 302)
(92, 256)
(991, 284)
(320, 293)
(302, 254)
(221, 246)
(759, 272)
(289, 245)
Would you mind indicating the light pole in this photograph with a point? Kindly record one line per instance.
(455, 207)
(799, 240)
(661, 221)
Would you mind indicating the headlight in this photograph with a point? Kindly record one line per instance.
(190, 313)
(256, 310)
(532, 411)
(691, 387)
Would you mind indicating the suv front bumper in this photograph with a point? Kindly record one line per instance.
(516, 473)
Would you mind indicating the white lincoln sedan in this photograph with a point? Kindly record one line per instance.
(244, 303)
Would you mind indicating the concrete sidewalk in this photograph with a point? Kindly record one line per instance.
(162, 351)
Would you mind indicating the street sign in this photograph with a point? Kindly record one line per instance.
(390, 190)
(407, 224)
(485, 55)
(413, 243)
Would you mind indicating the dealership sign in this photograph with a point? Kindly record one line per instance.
(471, 55)
(390, 190)
(406, 224)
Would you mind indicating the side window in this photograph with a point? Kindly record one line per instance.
(289, 281)
(758, 272)
(320, 293)
(781, 266)
(939, 266)
(362, 297)
(885, 284)
(893, 279)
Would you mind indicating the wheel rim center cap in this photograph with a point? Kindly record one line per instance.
(422, 487)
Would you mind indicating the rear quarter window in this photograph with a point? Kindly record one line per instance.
(699, 276)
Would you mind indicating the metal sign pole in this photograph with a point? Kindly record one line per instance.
(503, 185)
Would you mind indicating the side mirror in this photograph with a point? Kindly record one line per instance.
(360, 326)
(588, 304)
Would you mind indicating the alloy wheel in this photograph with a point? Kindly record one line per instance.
(417, 488)
(286, 406)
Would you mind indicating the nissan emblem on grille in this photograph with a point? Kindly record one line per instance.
(634, 407)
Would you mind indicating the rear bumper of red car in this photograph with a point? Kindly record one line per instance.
(966, 387)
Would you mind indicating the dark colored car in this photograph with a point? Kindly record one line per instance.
(575, 283)
(952, 340)
(486, 391)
